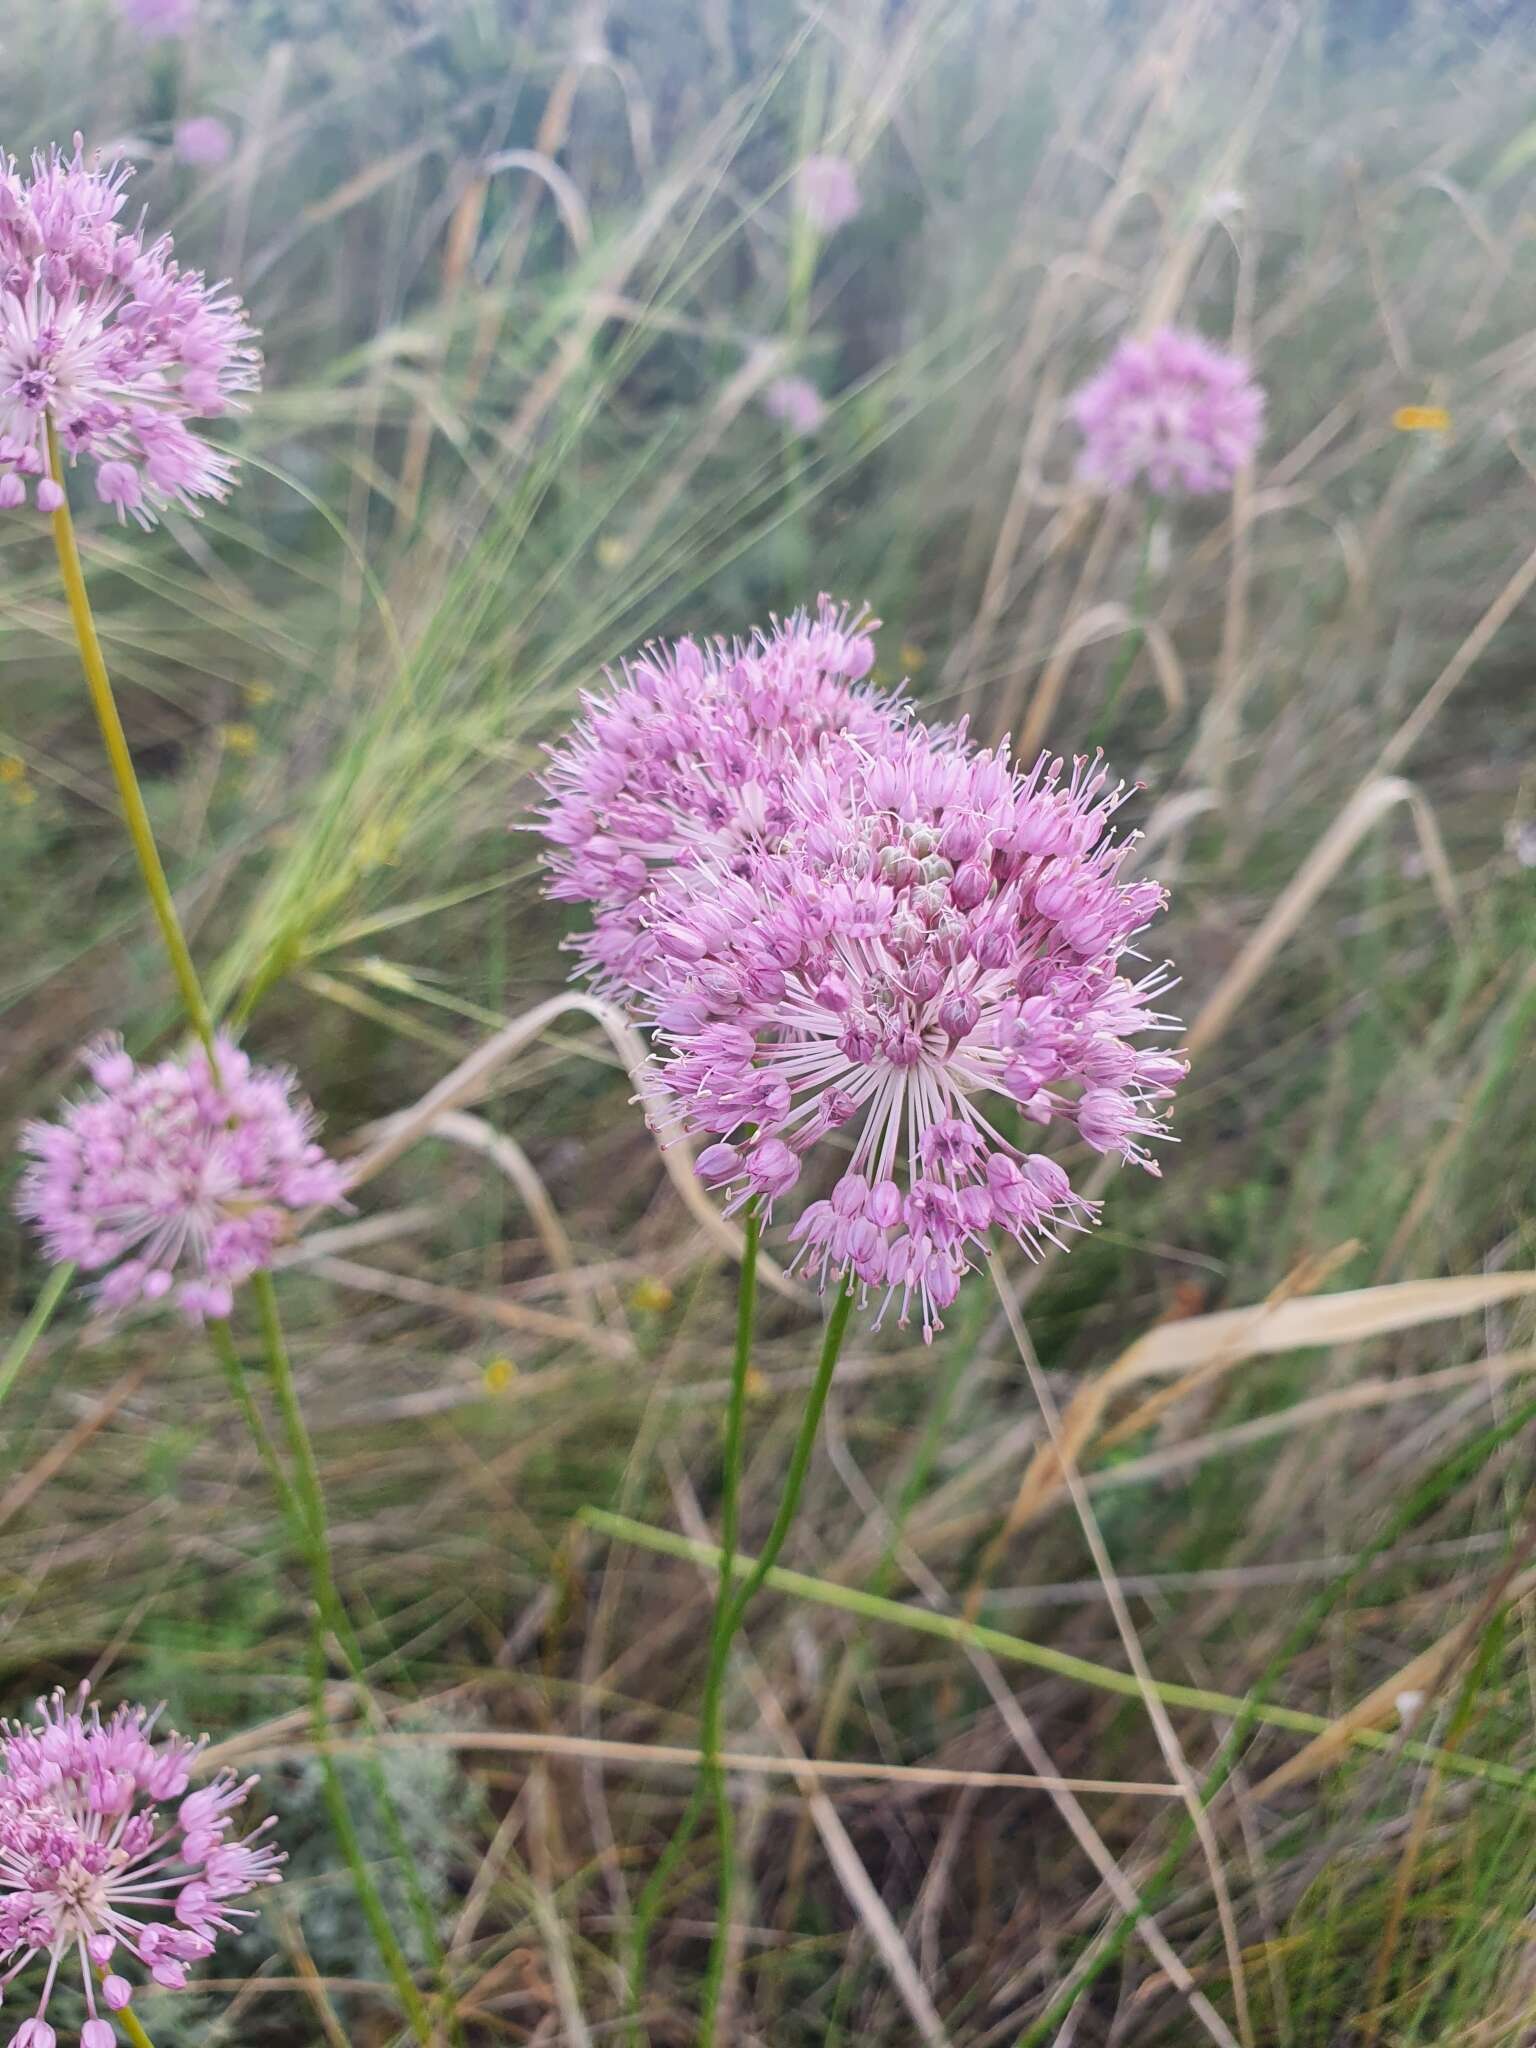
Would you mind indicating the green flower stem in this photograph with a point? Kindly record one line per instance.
(222, 1339)
(133, 2027)
(710, 1771)
(304, 1504)
(1135, 633)
(757, 1571)
(1018, 1650)
(135, 815)
(711, 1779)
(19, 1350)
(730, 1609)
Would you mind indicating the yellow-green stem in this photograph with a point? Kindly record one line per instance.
(135, 815)
(711, 1778)
(19, 1350)
(127, 2019)
(304, 1502)
(758, 1569)
(1019, 1650)
(133, 2028)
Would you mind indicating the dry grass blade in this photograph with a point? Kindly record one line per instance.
(1286, 913)
(508, 1156)
(1198, 1345)
(259, 1747)
(1423, 1674)
(459, 1301)
(473, 1076)
(52, 1463)
(546, 1912)
(1324, 1320)
(874, 1914)
(1348, 1400)
(1157, 1713)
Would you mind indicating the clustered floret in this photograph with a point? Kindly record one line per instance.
(160, 17)
(1172, 410)
(98, 1836)
(827, 192)
(899, 944)
(686, 756)
(180, 1178)
(113, 341)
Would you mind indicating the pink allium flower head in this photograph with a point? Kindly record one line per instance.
(94, 1846)
(934, 930)
(170, 1179)
(795, 403)
(160, 17)
(113, 340)
(686, 755)
(1171, 409)
(827, 192)
(203, 142)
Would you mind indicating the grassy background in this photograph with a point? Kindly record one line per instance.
(523, 271)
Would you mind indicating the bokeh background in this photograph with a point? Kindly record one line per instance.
(526, 271)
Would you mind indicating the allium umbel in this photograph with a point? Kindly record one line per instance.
(686, 757)
(927, 965)
(795, 403)
(113, 341)
(827, 192)
(171, 1180)
(1171, 409)
(103, 1849)
(204, 142)
(160, 17)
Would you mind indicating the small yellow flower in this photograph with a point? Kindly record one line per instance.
(498, 1375)
(258, 693)
(912, 658)
(1422, 419)
(239, 739)
(12, 768)
(757, 1384)
(611, 552)
(652, 1295)
(23, 793)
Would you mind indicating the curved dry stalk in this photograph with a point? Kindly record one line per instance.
(504, 1152)
(257, 1748)
(1375, 796)
(1288, 1321)
(1346, 1400)
(1157, 1713)
(1424, 1674)
(569, 204)
(469, 1080)
(460, 1301)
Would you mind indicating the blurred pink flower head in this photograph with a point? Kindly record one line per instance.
(795, 403)
(172, 1181)
(112, 341)
(935, 939)
(827, 192)
(204, 142)
(104, 1850)
(685, 757)
(160, 17)
(1171, 410)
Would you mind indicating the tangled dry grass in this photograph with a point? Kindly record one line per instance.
(1155, 1660)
